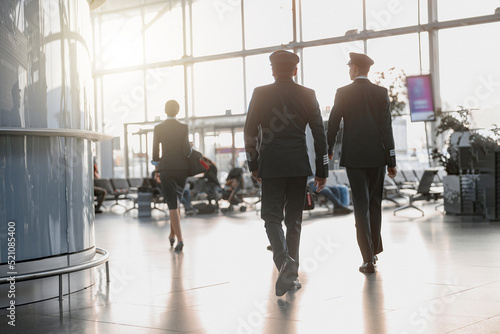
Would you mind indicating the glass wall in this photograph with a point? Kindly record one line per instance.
(209, 55)
(267, 23)
(216, 27)
(258, 73)
(381, 15)
(326, 18)
(472, 63)
(121, 40)
(218, 87)
(163, 32)
(325, 70)
(459, 9)
(163, 84)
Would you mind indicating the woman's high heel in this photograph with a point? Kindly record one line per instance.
(179, 246)
(172, 240)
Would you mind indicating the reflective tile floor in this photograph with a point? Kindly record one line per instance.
(438, 274)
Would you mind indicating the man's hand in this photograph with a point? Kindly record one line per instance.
(255, 175)
(392, 171)
(330, 156)
(319, 183)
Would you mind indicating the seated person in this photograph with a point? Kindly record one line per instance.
(99, 193)
(333, 194)
(213, 185)
(186, 200)
(186, 195)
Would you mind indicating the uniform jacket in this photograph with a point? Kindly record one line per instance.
(275, 131)
(367, 139)
(175, 146)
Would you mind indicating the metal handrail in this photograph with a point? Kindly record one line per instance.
(62, 271)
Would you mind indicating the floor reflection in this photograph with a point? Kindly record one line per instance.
(282, 311)
(224, 281)
(373, 301)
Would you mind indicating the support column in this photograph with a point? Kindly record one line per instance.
(432, 140)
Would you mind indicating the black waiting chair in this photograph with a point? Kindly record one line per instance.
(400, 181)
(106, 185)
(411, 180)
(391, 191)
(134, 184)
(150, 185)
(121, 191)
(424, 191)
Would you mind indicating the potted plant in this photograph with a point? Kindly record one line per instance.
(458, 122)
(468, 160)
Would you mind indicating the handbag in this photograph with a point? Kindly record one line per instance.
(309, 202)
(196, 163)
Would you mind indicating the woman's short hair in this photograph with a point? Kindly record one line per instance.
(172, 108)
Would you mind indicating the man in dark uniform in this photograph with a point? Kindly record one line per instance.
(275, 143)
(367, 147)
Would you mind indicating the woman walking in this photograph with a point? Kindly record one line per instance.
(172, 166)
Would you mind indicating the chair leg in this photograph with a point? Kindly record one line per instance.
(118, 205)
(391, 199)
(157, 208)
(132, 208)
(409, 205)
(437, 206)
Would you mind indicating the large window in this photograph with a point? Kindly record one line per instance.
(468, 72)
(209, 55)
(325, 70)
(164, 84)
(163, 32)
(218, 87)
(123, 100)
(326, 18)
(381, 15)
(459, 9)
(400, 52)
(268, 22)
(216, 27)
(120, 40)
(259, 73)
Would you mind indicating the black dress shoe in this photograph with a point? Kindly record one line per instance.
(367, 267)
(270, 248)
(341, 210)
(288, 273)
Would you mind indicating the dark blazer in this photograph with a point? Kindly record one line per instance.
(275, 131)
(367, 139)
(175, 146)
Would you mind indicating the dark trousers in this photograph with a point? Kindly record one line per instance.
(367, 185)
(100, 193)
(288, 194)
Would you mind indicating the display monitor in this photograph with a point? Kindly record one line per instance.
(420, 96)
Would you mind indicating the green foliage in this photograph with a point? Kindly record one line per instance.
(395, 82)
(495, 130)
(456, 120)
(460, 121)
